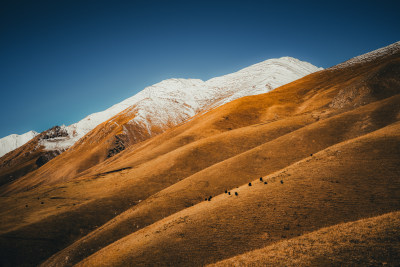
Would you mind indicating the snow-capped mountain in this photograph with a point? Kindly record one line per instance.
(172, 101)
(150, 112)
(14, 141)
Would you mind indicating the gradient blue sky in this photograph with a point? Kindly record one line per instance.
(62, 60)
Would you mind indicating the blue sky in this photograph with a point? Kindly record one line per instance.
(62, 60)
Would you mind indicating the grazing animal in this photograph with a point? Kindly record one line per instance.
(311, 155)
(249, 184)
(226, 191)
(209, 198)
(261, 179)
(229, 193)
(236, 194)
(265, 183)
(281, 181)
(206, 199)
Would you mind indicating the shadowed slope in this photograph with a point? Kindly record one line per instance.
(368, 242)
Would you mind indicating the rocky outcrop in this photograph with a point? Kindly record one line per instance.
(117, 147)
(56, 131)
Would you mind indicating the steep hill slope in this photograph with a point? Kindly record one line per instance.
(151, 112)
(134, 205)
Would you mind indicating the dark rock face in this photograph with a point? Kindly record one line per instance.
(54, 132)
(46, 157)
(118, 146)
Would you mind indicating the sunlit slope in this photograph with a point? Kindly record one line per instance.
(352, 180)
(222, 149)
(367, 242)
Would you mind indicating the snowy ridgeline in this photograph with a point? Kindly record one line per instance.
(173, 101)
(13, 141)
(381, 52)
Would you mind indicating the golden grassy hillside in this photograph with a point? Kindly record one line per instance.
(367, 242)
(213, 180)
(146, 204)
(336, 185)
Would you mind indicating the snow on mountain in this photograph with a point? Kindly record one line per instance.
(260, 78)
(173, 101)
(13, 141)
(384, 51)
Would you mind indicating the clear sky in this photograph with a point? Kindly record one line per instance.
(61, 60)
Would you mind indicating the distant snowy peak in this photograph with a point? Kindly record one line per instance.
(381, 52)
(13, 141)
